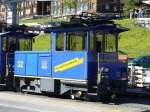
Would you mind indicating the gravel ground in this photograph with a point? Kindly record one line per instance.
(18, 102)
(9, 109)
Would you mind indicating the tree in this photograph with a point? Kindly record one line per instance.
(71, 4)
(130, 4)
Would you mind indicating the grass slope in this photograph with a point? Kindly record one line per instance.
(135, 42)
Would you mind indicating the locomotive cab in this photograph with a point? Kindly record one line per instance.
(105, 74)
(11, 41)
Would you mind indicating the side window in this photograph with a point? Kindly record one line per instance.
(25, 44)
(99, 39)
(60, 41)
(70, 41)
(12, 44)
(96, 42)
(80, 40)
(44, 43)
(4, 44)
(75, 41)
(110, 43)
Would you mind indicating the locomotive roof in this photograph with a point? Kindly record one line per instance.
(78, 23)
(82, 28)
(25, 35)
(17, 31)
(87, 22)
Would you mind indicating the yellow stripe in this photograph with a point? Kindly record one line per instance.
(69, 64)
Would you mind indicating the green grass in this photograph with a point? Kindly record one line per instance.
(42, 42)
(136, 41)
(43, 20)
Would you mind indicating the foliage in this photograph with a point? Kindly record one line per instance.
(130, 4)
(19, 8)
(70, 3)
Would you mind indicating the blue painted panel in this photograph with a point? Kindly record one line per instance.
(32, 64)
(114, 68)
(70, 65)
(45, 67)
(20, 63)
(92, 66)
(3, 64)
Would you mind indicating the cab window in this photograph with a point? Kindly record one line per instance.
(110, 43)
(25, 44)
(12, 44)
(99, 39)
(4, 44)
(96, 42)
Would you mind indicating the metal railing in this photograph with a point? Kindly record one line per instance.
(138, 76)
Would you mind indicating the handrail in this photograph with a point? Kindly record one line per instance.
(6, 61)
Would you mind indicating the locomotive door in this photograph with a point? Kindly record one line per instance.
(3, 42)
(7, 48)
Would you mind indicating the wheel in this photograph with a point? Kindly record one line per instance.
(22, 89)
(104, 92)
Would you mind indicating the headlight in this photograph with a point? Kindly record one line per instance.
(104, 69)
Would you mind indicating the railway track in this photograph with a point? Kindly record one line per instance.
(138, 92)
(137, 95)
(125, 103)
(134, 96)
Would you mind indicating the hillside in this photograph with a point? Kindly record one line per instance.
(135, 42)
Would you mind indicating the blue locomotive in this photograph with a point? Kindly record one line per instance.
(83, 60)
(12, 38)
